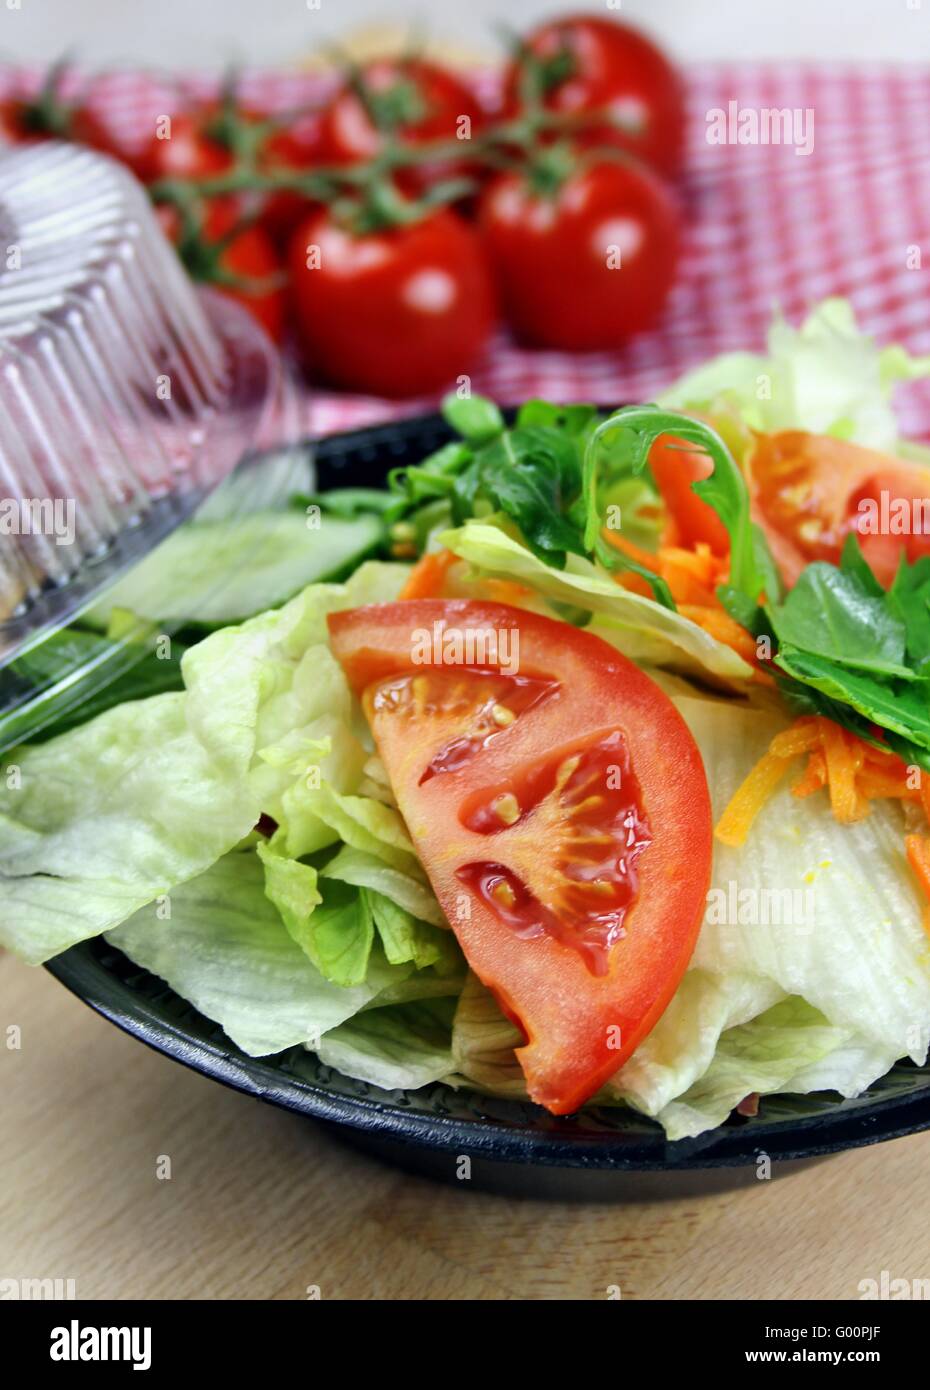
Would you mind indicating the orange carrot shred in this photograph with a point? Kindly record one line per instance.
(428, 575)
(813, 777)
(918, 856)
(749, 798)
(843, 763)
(802, 737)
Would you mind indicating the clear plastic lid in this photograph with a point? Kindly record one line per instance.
(126, 396)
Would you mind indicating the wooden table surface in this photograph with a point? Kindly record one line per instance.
(262, 1204)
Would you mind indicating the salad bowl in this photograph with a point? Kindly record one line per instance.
(456, 1134)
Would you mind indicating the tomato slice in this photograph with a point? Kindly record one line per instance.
(559, 806)
(810, 491)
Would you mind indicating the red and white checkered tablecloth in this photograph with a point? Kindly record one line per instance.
(764, 225)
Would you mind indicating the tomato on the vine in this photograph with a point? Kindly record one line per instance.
(586, 262)
(185, 150)
(611, 80)
(292, 149)
(395, 311)
(559, 805)
(414, 101)
(238, 258)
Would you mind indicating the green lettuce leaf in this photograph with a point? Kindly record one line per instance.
(483, 1043)
(222, 571)
(104, 819)
(644, 630)
(810, 911)
(410, 891)
(226, 950)
(400, 1047)
(762, 1056)
(826, 377)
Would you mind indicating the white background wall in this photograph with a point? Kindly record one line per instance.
(209, 33)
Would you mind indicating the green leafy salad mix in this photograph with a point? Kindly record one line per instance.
(219, 812)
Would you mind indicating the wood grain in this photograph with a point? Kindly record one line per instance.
(264, 1205)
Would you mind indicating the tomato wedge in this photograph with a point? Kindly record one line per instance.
(810, 491)
(559, 806)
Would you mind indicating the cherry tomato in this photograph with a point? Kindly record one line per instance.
(584, 266)
(395, 312)
(249, 255)
(292, 149)
(417, 100)
(809, 491)
(27, 121)
(188, 151)
(559, 806)
(14, 122)
(593, 67)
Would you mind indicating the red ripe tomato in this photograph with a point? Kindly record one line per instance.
(592, 67)
(292, 149)
(394, 312)
(810, 491)
(188, 151)
(248, 256)
(418, 101)
(560, 808)
(586, 265)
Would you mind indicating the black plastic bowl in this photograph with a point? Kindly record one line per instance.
(460, 1136)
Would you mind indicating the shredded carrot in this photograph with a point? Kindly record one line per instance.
(802, 737)
(692, 577)
(428, 575)
(873, 784)
(843, 762)
(918, 856)
(749, 798)
(925, 791)
(813, 777)
(718, 623)
(633, 552)
(504, 591)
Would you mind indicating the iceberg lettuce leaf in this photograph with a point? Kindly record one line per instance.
(225, 949)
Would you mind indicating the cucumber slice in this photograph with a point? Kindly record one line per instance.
(221, 571)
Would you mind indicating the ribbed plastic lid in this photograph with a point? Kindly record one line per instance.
(126, 395)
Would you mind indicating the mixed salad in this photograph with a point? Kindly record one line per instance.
(588, 761)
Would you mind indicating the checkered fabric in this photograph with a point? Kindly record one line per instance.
(764, 225)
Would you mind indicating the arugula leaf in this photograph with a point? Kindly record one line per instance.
(829, 613)
(909, 599)
(572, 419)
(632, 432)
(613, 559)
(530, 479)
(853, 562)
(904, 709)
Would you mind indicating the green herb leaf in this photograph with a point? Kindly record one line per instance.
(909, 599)
(904, 709)
(475, 418)
(830, 614)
